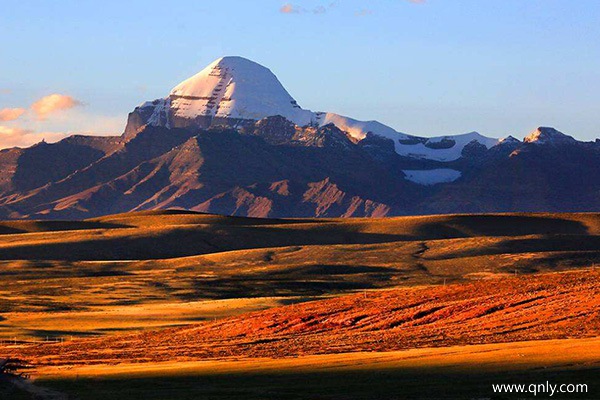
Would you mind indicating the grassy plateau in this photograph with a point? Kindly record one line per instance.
(181, 305)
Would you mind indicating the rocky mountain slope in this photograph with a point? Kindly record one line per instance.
(231, 140)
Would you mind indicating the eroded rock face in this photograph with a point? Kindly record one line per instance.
(274, 130)
(314, 199)
(274, 168)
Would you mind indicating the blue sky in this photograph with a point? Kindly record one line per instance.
(428, 68)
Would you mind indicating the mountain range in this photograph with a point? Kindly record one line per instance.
(231, 140)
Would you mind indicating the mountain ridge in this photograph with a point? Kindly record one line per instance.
(198, 149)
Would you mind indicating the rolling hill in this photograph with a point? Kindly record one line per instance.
(153, 303)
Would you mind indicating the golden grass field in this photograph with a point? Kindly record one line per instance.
(204, 306)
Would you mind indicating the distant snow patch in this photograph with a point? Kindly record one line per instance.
(359, 129)
(420, 150)
(430, 177)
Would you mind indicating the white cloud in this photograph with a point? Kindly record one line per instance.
(53, 103)
(54, 117)
(289, 8)
(10, 114)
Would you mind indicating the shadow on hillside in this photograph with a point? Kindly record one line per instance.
(460, 226)
(15, 227)
(248, 286)
(352, 385)
(538, 245)
(188, 241)
(8, 230)
(195, 239)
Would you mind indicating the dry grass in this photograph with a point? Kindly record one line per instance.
(77, 278)
(540, 307)
(174, 298)
(497, 358)
(107, 320)
(460, 372)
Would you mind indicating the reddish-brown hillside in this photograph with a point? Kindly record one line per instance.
(546, 306)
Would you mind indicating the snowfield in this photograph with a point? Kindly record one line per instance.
(421, 150)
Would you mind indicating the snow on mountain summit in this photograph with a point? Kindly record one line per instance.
(545, 135)
(235, 90)
(235, 87)
(509, 140)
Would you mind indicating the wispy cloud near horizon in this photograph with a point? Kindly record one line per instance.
(11, 114)
(289, 8)
(53, 103)
(53, 118)
(19, 137)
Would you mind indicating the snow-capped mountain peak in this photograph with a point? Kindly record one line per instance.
(546, 135)
(509, 140)
(234, 91)
(236, 88)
